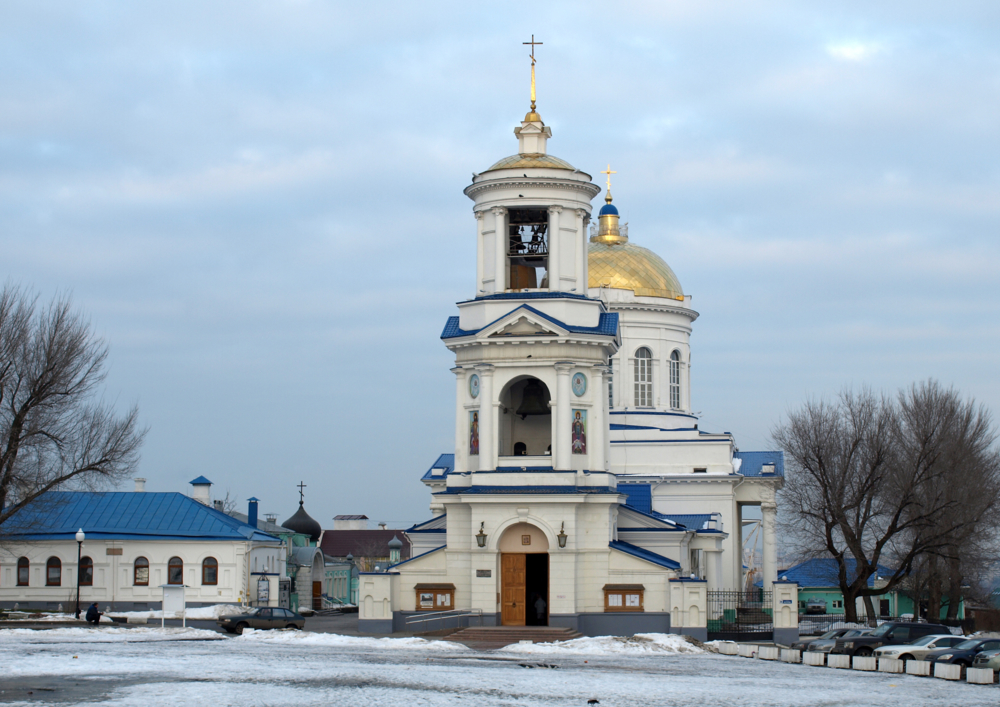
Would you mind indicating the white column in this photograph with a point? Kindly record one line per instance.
(487, 434)
(480, 252)
(555, 249)
(686, 383)
(461, 424)
(581, 251)
(768, 512)
(501, 241)
(713, 568)
(607, 418)
(598, 421)
(564, 430)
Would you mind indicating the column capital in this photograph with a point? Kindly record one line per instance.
(480, 215)
(564, 367)
(458, 370)
(768, 506)
(485, 369)
(583, 214)
(555, 209)
(498, 210)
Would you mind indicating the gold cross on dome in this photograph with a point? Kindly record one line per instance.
(533, 44)
(609, 172)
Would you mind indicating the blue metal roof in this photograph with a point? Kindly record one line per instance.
(692, 521)
(200, 481)
(528, 489)
(640, 497)
(822, 572)
(608, 209)
(434, 525)
(126, 515)
(607, 324)
(531, 295)
(636, 551)
(753, 463)
(444, 461)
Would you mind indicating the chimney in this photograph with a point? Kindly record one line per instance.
(217, 504)
(140, 485)
(252, 512)
(201, 490)
(381, 526)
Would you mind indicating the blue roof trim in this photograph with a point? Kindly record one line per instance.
(821, 572)
(607, 324)
(415, 557)
(428, 530)
(509, 469)
(199, 481)
(643, 554)
(615, 426)
(128, 515)
(753, 463)
(531, 295)
(444, 461)
(653, 412)
(675, 529)
(537, 490)
(416, 526)
(692, 521)
(668, 441)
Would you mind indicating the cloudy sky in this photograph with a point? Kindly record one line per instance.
(259, 205)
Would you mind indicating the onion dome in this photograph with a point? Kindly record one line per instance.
(395, 543)
(304, 524)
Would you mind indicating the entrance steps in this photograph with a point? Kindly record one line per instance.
(489, 637)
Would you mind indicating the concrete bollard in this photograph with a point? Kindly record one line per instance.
(747, 650)
(814, 658)
(890, 665)
(728, 648)
(979, 676)
(837, 660)
(791, 655)
(918, 667)
(947, 671)
(864, 662)
(136, 620)
(768, 652)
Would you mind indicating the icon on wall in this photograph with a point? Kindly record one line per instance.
(474, 385)
(579, 384)
(474, 432)
(579, 432)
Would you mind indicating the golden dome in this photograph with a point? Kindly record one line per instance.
(535, 159)
(624, 266)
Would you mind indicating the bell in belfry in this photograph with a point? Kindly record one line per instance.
(534, 400)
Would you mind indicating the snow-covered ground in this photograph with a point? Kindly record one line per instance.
(296, 668)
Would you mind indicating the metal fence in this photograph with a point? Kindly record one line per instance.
(741, 615)
(815, 624)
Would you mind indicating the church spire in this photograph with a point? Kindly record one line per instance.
(532, 116)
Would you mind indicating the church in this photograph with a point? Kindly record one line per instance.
(581, 492)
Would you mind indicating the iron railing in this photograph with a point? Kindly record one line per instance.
(740, 615)
(815, 624)
(445, 617)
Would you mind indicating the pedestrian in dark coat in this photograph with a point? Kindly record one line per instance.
(93, 615)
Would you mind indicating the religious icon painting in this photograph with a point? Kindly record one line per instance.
(525, 539)
(474, 385)
(579, 384)
(579, 432)
(474, 433)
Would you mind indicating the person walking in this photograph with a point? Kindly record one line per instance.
(93, 615)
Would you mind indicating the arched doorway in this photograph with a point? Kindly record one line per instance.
(524, 576)
(525, 419)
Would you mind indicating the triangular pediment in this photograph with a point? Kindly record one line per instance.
(522, 322)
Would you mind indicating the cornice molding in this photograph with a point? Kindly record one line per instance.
(648, 307)
(591, 190)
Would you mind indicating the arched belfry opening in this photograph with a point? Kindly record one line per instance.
(524, 576)
(528, 249)
(525, 419)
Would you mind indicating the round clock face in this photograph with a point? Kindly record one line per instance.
(579, 384)
(474, 385)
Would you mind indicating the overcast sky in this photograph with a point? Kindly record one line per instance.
(259, 205)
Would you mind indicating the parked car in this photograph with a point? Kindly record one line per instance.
(262, 617)
(919, 649)
(965, 652)
(987, 659)
(889, 633)
(804, 644)
(816, 606)
(826, 645)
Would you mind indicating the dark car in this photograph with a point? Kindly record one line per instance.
(964, 653)
(816, 606)
(803, 645)
(889, 633)
(262, 617)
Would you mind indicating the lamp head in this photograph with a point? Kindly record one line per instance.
(80, 535)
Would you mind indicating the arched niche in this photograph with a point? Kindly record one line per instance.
(512, 540)
(530, 434)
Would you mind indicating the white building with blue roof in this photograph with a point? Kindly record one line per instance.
(135, 543)
(581, 492)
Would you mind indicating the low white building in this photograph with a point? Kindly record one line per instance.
(135, 542)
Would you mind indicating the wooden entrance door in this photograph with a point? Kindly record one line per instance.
(512, 587)
(317, 596)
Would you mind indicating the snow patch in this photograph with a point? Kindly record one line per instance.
(303, 638)
(198, 613)
(107, 634)
(639, 644)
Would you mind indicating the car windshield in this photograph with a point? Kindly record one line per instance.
(854, 632)
(966, 645)
(882, 630)
(253, 612)
(828, 635)
(924, 640)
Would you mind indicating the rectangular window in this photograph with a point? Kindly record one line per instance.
(623, 597)
(643, 382)
(838, 604)
(22, 574)
(675, 384)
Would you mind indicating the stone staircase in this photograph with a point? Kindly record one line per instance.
(490, 637)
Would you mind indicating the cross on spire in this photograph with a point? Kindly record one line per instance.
(302, 496)
(533, 44)
(609, 172)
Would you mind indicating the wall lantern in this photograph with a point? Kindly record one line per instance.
(562, 535)
(481, 536)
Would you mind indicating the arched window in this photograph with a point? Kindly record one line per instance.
(520, 449)
(86, 572)
(175, 571)
(210, 571)
(53, 572)
(675, 380)
(22, 571)
(643, 378)
(140, 576)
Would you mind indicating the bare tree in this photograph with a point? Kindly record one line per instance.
(55, 433)
(872, 480)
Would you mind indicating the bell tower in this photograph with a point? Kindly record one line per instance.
(531, 347)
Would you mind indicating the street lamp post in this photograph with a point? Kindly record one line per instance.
(80, 537)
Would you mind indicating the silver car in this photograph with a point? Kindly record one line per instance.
(919, 649)
(825, 646)
(987, 659)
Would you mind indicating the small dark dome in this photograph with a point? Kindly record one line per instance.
(395, 543)
(304, 523)
(608, 209)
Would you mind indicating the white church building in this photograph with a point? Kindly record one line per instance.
(581, 492)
